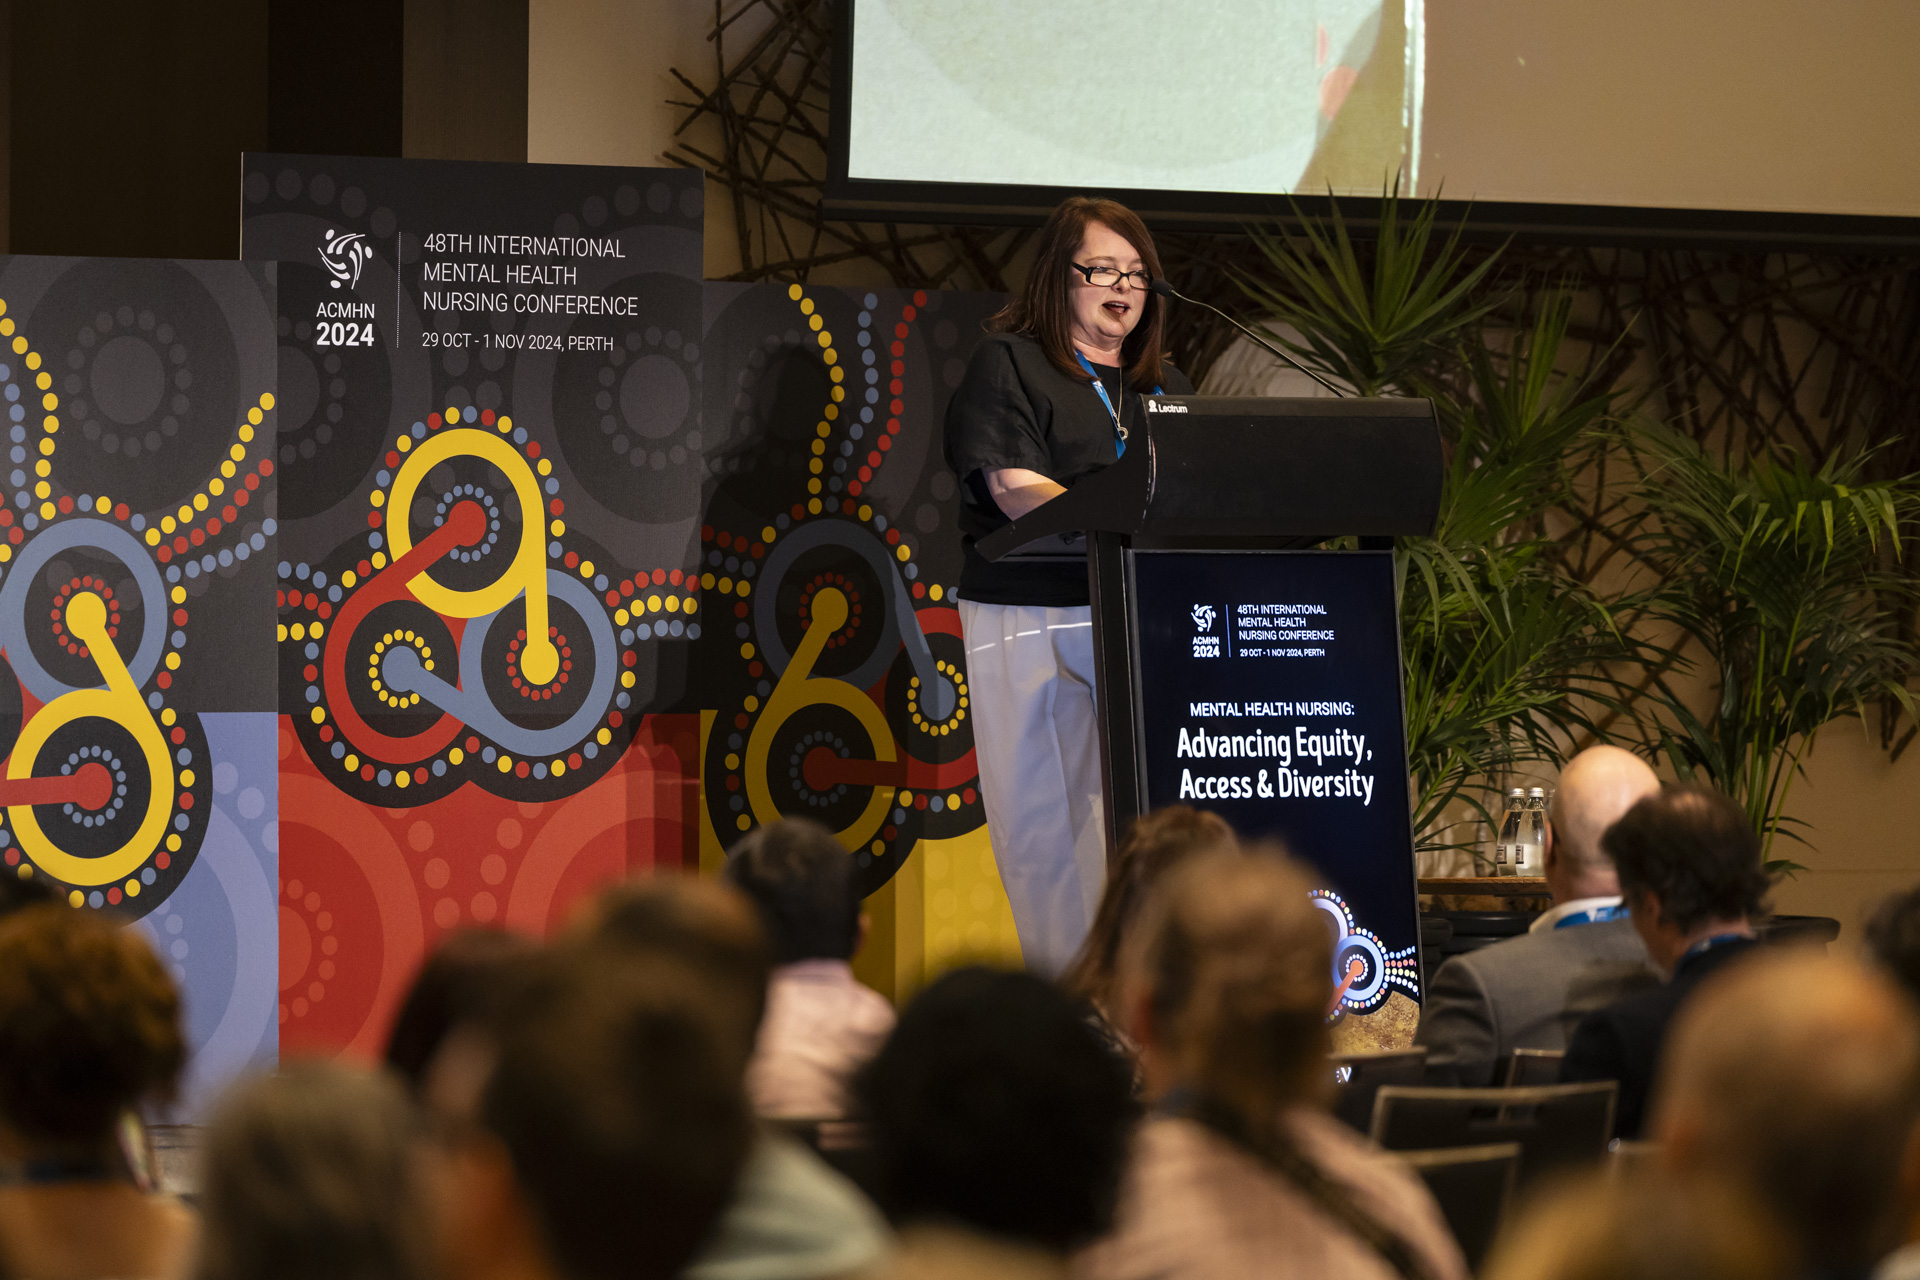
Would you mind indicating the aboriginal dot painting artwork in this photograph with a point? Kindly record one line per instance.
(588, 566)
(137, 704)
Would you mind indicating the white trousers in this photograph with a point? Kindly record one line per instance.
(1030, 687)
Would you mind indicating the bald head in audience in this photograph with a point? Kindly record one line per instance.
(1595, 788)
(1801, 1074)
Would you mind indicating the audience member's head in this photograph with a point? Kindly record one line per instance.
(683, 919)
(801, 880)
(596, 1131)
(1893, 938)
(89, 1027)
(1800, 1074)
(1596, 788)
(1227, 983)
(1155, 844)
(1640, 1227)
(1689, 866)
(462, 981)
(311, 1174)
(996, 1105)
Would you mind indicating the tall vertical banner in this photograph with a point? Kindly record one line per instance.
(136, 588)
(589, 566)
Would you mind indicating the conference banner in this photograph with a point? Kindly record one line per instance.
(588, 566)
(461, 551)
(137, 526)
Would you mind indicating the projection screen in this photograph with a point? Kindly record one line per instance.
(1770, 114)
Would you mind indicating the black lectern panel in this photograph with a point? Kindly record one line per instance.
(1223, 468)
(1268, 690)
(1227, 468)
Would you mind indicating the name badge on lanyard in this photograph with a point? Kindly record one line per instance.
(1119, 427)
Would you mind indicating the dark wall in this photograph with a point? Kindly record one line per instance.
(336, 71)
(466, 80)
(127, 121)
(123, 120)
(6, 111)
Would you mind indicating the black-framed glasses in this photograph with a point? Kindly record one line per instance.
(1107, 277)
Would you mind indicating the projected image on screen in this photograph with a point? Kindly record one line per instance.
(1221, 95)
(1205, 105)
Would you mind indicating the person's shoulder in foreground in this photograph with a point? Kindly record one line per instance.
(791, 1218)
(1197, 1205)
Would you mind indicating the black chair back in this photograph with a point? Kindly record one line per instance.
(1357, 1077)
(1816, 931)
(1529, 1067)
(1557, 1125)
(1472, 1186)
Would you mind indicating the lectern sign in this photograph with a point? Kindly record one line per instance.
(1270, 693)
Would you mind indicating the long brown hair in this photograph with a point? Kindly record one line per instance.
(1155, 844)
(1236, 965)
(1041, 310)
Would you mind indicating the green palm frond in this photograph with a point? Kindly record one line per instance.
(1780, 573)
(1485, 696)
(1508, 658)
(1371, 320)
(1777, 574)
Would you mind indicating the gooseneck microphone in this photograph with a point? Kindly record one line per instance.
(1166, 290)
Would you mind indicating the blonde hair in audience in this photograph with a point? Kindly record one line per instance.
(1154, 844)
(1235, 967)
(311, 1174)
(1641, 1225)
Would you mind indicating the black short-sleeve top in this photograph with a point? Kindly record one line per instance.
(1015, 408)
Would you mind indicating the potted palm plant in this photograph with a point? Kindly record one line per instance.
(1496, 638)
(1780, 575)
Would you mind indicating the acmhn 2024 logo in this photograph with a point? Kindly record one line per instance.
(1205, 644)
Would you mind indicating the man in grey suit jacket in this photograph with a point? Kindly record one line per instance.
(1530, 992)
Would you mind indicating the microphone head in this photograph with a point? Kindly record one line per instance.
(1164, 288)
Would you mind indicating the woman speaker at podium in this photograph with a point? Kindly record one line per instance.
(1050, 396)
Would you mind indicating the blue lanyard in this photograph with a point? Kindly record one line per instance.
(1592, 915)
(1119, 428)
